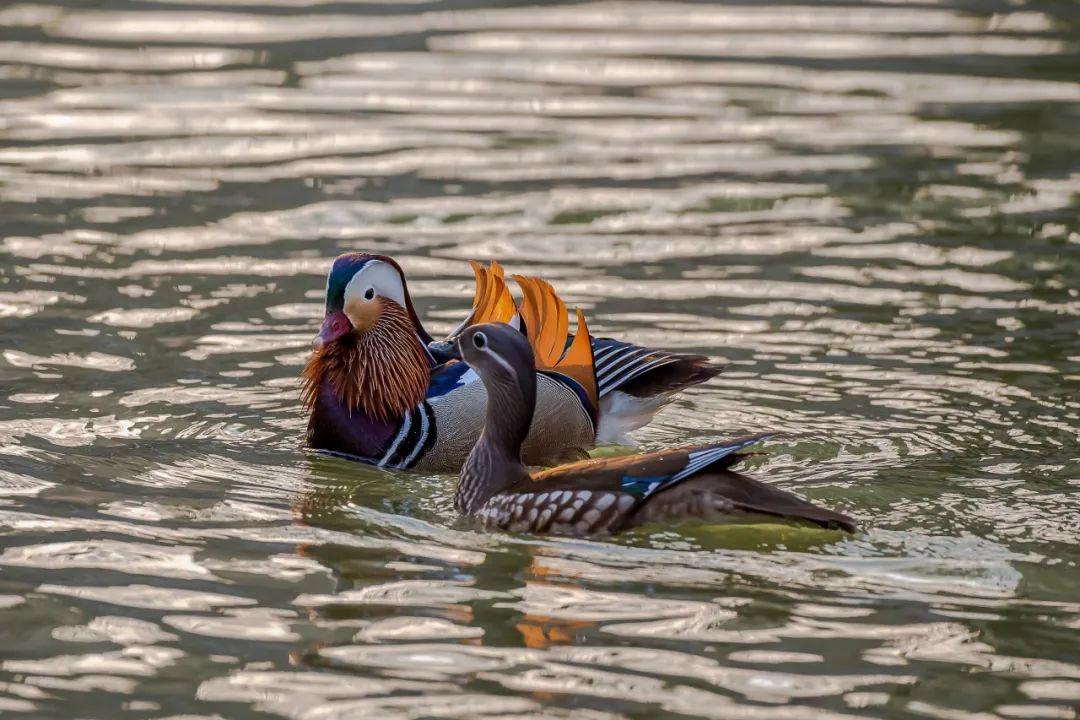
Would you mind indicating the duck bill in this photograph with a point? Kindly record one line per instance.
(335, 326)
(456, 332)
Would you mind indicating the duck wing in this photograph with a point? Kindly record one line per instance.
(646, 372)
(601, 495)
(545, 322)
(613, 494)
(643, 475)
(719, 494)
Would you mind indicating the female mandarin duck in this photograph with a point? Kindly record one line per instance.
(381, 390)
(598, 496)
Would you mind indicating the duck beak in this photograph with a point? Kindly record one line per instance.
(335, 326)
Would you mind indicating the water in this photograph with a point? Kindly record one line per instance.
(867, 211)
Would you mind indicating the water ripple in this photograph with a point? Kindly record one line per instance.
(865, 211)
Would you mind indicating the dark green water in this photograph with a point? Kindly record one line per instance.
(867, 210)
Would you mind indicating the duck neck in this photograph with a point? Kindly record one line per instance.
(494, 464)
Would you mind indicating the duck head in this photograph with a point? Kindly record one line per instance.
(358, 288)
(371, 348)
(502, 357)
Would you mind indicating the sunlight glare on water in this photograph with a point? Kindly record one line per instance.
(867, 211)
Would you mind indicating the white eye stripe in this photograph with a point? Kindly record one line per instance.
(500, 359)
(381, 277)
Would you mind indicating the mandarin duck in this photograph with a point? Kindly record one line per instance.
(381, 390)
(600, 496)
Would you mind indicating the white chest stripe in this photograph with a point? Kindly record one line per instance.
(402, 433)
(419, 440)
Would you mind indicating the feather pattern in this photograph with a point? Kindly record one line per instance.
(492, 301)
(600, 495)
(614, 494)
(618, 363)
(547, 329)
(415, 436)
(362, 389)
(382, 372)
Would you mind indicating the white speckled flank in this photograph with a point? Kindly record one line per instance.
(603, 502)
(578, 513)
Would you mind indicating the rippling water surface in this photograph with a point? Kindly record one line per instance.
(867, 211)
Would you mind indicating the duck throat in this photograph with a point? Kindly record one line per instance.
(382, 371)
(494, 464)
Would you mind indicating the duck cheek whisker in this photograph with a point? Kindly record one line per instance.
(382, 371)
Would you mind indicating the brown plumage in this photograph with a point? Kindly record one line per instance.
(603, 495)
(381, 371)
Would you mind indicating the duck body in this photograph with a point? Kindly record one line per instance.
(381, 391)
(601, 496)
(562, 429)
(437, 434)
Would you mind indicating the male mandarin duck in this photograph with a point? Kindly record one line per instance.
(379, 389)
(605, 495)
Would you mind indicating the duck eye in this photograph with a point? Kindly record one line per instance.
(369, 293)
(479, 341)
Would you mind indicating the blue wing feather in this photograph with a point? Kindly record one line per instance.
(448, 377)
(696, 462)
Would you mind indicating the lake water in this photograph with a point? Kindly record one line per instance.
(868, 211)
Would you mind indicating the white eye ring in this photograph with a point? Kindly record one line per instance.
(479, 341)
(369, 294)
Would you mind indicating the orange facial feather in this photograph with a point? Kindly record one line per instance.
(381, 371)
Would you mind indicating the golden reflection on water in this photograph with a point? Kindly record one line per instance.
(866, 211)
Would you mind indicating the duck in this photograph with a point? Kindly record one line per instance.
(379, 388)
(605, 495)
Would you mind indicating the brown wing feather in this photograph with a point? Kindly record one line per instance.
(729, 494)
(608, 472)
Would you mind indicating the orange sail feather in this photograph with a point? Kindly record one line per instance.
(492, 301)
(547, 328)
